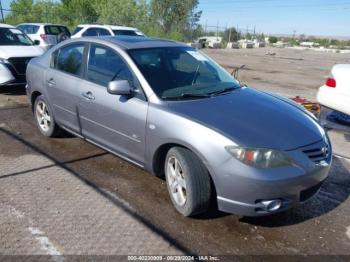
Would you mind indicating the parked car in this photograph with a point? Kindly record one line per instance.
(210, 41)
(173, 111)
(104, 30)
(47, 35)
(16, 49)
(335, 93)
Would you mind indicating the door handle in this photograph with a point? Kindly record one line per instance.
(51, 82)
(88, 95)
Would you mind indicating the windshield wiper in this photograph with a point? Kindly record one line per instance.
(187, 95)
(223, 91)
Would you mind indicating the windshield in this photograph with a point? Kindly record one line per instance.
(126, 32)
(77, 30)
(13, 36)
(179, 72)
(29, 29)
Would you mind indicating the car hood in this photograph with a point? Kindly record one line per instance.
(20, 51)
(254, 119)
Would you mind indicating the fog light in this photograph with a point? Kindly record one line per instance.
(271, 205)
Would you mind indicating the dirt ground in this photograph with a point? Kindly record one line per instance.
(320, 227)
(289, 72)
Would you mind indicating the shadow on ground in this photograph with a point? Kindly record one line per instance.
(16, 90)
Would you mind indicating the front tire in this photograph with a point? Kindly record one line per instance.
(44, 118)
(188, 182)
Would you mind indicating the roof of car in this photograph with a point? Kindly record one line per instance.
(6, 26)
(113, 27)
(139, 42)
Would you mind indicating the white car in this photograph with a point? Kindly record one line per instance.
(335, 93)
(105, 30)
(16, 49)
(44, 34)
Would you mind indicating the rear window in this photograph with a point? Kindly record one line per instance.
(125, 32)
(56, 30)
(29, 29)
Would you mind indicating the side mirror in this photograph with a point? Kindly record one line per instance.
(36, 42)
(119, 87)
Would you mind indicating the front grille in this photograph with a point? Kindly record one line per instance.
(310, 192)
(19, 65)
(318, 154)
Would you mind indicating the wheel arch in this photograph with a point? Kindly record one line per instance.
(33, 97)
(159, 157)
(160, 153)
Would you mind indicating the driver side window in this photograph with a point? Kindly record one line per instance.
(105, 65)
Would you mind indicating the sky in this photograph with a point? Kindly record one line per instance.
(310, 17)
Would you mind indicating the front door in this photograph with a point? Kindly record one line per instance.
(114, 122)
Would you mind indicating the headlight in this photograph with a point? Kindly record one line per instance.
(260, 157)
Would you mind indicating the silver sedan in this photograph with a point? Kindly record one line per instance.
(173, 111)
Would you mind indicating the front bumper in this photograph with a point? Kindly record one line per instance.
(331, 98)
(7, 78)
(242, 192)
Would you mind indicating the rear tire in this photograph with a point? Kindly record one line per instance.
(188, 182)
(44, 118)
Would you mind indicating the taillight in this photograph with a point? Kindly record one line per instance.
(331, 82)
(43, 37)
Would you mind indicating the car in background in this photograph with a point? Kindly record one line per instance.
(335, 93)
(105, 30)
(45, 34)
(16, 50)
(172, 110)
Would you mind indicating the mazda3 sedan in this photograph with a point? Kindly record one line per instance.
(173, 111)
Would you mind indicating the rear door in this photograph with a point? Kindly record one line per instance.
(114, 122)
(63, 80)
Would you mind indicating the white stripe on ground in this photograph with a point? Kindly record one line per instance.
(348, 232)
(46, 244)
(341, 156)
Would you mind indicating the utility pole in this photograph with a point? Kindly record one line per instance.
(2, 13)
(217, 29)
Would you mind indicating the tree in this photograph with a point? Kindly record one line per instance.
(30, 11)
(231, 34)
(273, 39)
(73, 12)
(21, 11)
(117, 11)
(176, 19)
(248, 36)
(175, 15)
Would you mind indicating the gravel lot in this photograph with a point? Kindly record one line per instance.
(289, 72)
(67, 196)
